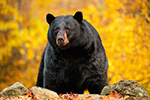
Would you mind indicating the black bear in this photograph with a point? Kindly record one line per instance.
(74, 58)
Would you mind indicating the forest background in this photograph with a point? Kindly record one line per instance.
(124, 27)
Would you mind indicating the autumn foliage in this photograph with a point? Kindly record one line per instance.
(124, 26)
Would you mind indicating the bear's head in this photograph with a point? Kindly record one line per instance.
(64, 31)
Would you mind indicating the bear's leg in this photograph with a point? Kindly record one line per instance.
(95, 89)
(96, 86)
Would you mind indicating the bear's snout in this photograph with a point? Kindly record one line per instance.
(62, 39)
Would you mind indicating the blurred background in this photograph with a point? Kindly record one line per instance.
(124, 27)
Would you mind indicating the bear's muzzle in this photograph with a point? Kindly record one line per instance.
(61, 38)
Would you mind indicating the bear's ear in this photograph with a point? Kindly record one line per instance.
(78, 16)
(49, 18)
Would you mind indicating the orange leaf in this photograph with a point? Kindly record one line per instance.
(117, 95)
(31, 95)
(88, 98)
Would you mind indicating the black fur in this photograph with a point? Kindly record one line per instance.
(81, 64)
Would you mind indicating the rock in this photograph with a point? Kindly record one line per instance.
(16, 89)
(123, 87)
(43, 93)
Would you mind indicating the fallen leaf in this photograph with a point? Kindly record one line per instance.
(117, 95)
(88, 98)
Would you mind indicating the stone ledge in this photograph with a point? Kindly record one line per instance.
(130, 88)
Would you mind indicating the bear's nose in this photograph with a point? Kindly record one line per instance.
(60, 40)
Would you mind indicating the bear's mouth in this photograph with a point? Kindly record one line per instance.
(63, 46)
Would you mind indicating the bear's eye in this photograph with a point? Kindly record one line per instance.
(67, 29)
(57, 29)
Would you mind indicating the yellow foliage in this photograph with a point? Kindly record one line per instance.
(30, 54)
(122, 24)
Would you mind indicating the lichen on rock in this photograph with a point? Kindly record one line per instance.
(16, 89)
(124, 88)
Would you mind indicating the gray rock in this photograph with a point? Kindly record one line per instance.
(16, 89)
(43, 93)
(123, 87)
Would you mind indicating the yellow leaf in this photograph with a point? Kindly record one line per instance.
(86, 91)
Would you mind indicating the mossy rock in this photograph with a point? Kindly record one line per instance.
(16, 89)
(123, 87)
